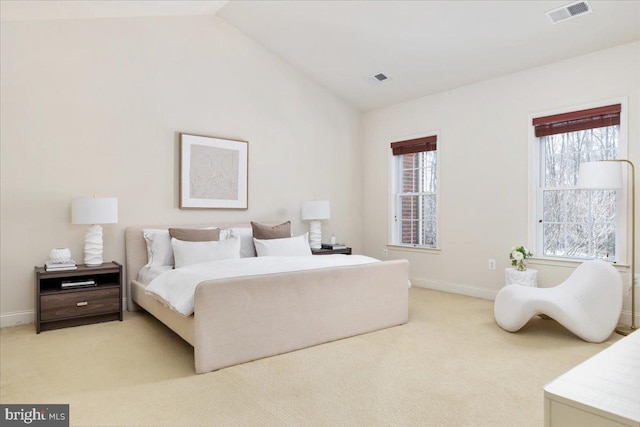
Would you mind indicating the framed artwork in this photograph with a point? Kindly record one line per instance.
(213, 172)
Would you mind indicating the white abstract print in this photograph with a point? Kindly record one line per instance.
(214, 173)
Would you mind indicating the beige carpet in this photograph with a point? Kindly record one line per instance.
(449, 366)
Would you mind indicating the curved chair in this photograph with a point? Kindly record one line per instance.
(588, 303)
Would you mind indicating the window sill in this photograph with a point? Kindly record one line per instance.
(411, 248)
(568, 263)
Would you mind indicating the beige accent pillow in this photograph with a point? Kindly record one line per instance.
(195, 234)
(266, 232)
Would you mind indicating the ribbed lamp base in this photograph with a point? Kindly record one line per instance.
(315, 235)
(93, 246)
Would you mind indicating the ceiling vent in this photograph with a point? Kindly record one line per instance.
(377, 78)
(569, 11)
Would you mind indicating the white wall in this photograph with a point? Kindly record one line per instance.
(95, 106)
(483, 144)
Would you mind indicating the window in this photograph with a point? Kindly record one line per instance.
(415, 192)
(571, 222)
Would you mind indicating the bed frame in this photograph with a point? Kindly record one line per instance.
(242, 319)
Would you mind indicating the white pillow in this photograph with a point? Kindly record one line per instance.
(291, 246)
(247, 248)
(159, 250)
(189, 253)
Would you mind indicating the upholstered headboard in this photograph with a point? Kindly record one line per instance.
(136, 249)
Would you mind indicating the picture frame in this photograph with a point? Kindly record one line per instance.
(214, 172)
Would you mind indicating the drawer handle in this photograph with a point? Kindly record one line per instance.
(82, 304)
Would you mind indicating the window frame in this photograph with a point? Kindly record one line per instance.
(394, 208)
(535, 196)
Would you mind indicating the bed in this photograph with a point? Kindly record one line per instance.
(241, 319)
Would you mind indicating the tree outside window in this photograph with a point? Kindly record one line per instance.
(576, 223)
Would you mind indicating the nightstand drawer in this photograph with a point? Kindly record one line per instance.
(64, 305)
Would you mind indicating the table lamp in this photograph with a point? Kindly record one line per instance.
(94, 211)
(607, 175)
(315, 211)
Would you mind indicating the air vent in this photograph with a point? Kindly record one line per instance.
(569, 11)
(377, 78)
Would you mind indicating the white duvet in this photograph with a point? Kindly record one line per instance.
(176, 288)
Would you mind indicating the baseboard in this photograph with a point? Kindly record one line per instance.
(625, 317)
(490, 294)
(17, 318)
(455, 288)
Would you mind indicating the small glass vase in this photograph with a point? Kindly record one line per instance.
(521, 266)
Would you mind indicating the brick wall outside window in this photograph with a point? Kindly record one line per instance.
(416, 197)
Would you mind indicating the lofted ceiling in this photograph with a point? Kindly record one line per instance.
(28, 10)
(424, 47)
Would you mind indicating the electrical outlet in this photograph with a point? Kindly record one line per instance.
(385, 252)
(492, 264)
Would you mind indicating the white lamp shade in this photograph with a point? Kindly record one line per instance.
(316, 209)
(605, 175)
(94, 210)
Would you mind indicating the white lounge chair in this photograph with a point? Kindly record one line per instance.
(588, 303)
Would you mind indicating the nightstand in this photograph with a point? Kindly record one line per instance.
(346, 251)
(59, 308)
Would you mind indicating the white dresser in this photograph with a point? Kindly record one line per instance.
(603, 391)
